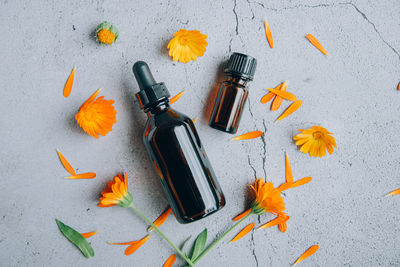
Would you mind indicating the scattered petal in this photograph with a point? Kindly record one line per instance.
(271, 223)
(316, 43)
(175, 98)
(292, 108)
(398, 86)
(87, 235)
(87, 175)
(194, 120)
(283, 94)
(170, 261)
(268, 34)
(66, 164)
(276, 104)
(284, 186)
(288, 170)
(132, 248)
(282, 227)
(249, 135)
(160, 220)
(301, 182)
(243, 232)
(395, 192)
(267, 98)
(307, 254)
(241, 215)
(69, 83)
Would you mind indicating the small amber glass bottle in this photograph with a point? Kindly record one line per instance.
(232, 94)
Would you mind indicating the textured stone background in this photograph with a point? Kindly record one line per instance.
(352, 93)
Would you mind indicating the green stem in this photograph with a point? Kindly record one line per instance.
(161, 233)
(221, 237)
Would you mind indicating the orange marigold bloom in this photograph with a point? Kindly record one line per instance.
(268, 198)
(96, 116)
(315, 141)
(187, 45)
(116, 193)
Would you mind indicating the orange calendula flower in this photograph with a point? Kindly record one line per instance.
(116, 193)
(160, 220)
(315, 141)
(187, 45)
(96, 116)
(268, 198)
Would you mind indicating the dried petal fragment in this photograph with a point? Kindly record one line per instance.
(316, 43)
(283, 94)
(243, 232)
(268, 34)
(87, 235)
(241, 215)
(87, 175)
(160, 220)
(395, 192)
(292, 108)
(135, 246)
(249, 135)
(170, 261)
(175, 98)
(65, 163)
(276, 104)
(69, 83)
(288, 170)
(271, 223)
(282, 227)
(307, 254)
(301, 181)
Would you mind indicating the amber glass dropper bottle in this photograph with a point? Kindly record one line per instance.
(176, 152)
(233, 92)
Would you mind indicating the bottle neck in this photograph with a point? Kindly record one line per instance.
(159, 108)
(237, 79)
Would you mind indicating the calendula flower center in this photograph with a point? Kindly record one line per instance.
(106, 36)
(317, 135)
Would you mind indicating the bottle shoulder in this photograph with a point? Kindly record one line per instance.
(166, 120)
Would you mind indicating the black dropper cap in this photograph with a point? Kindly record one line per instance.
(151, 92)
(241, 65)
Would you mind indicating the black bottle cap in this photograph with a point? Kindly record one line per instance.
(150, 92)
(241, 65)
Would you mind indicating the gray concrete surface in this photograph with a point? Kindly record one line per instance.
(352, 93)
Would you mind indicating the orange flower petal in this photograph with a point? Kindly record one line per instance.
(87, 235)
(170, 261)
(175, 98)
(66, 164)
(276, 104)
(271, 223)
(243, 232)
(132, 248)
(398, 86)
(241, 215)
(69, 83)
(395, 192)
(268, 34)
(160, 220)
(288, 170)
(284, 186)
(283, 94)
(292, 108)
(249, 135)
(301, 181)
(316, 43)
(267, 98)
(87, 175)
(307, 254)
(282, 227)
(194, 120)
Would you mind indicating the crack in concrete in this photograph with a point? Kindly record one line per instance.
(254, 248)
(251, 166)
(236, 17)
(265, 149)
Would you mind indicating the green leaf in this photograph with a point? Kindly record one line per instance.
(185, 243)
(76, 238)
(199, 245)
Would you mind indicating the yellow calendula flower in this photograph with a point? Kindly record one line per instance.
(187, 45)
(96, 116)
(315, 141)
(106, 33)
